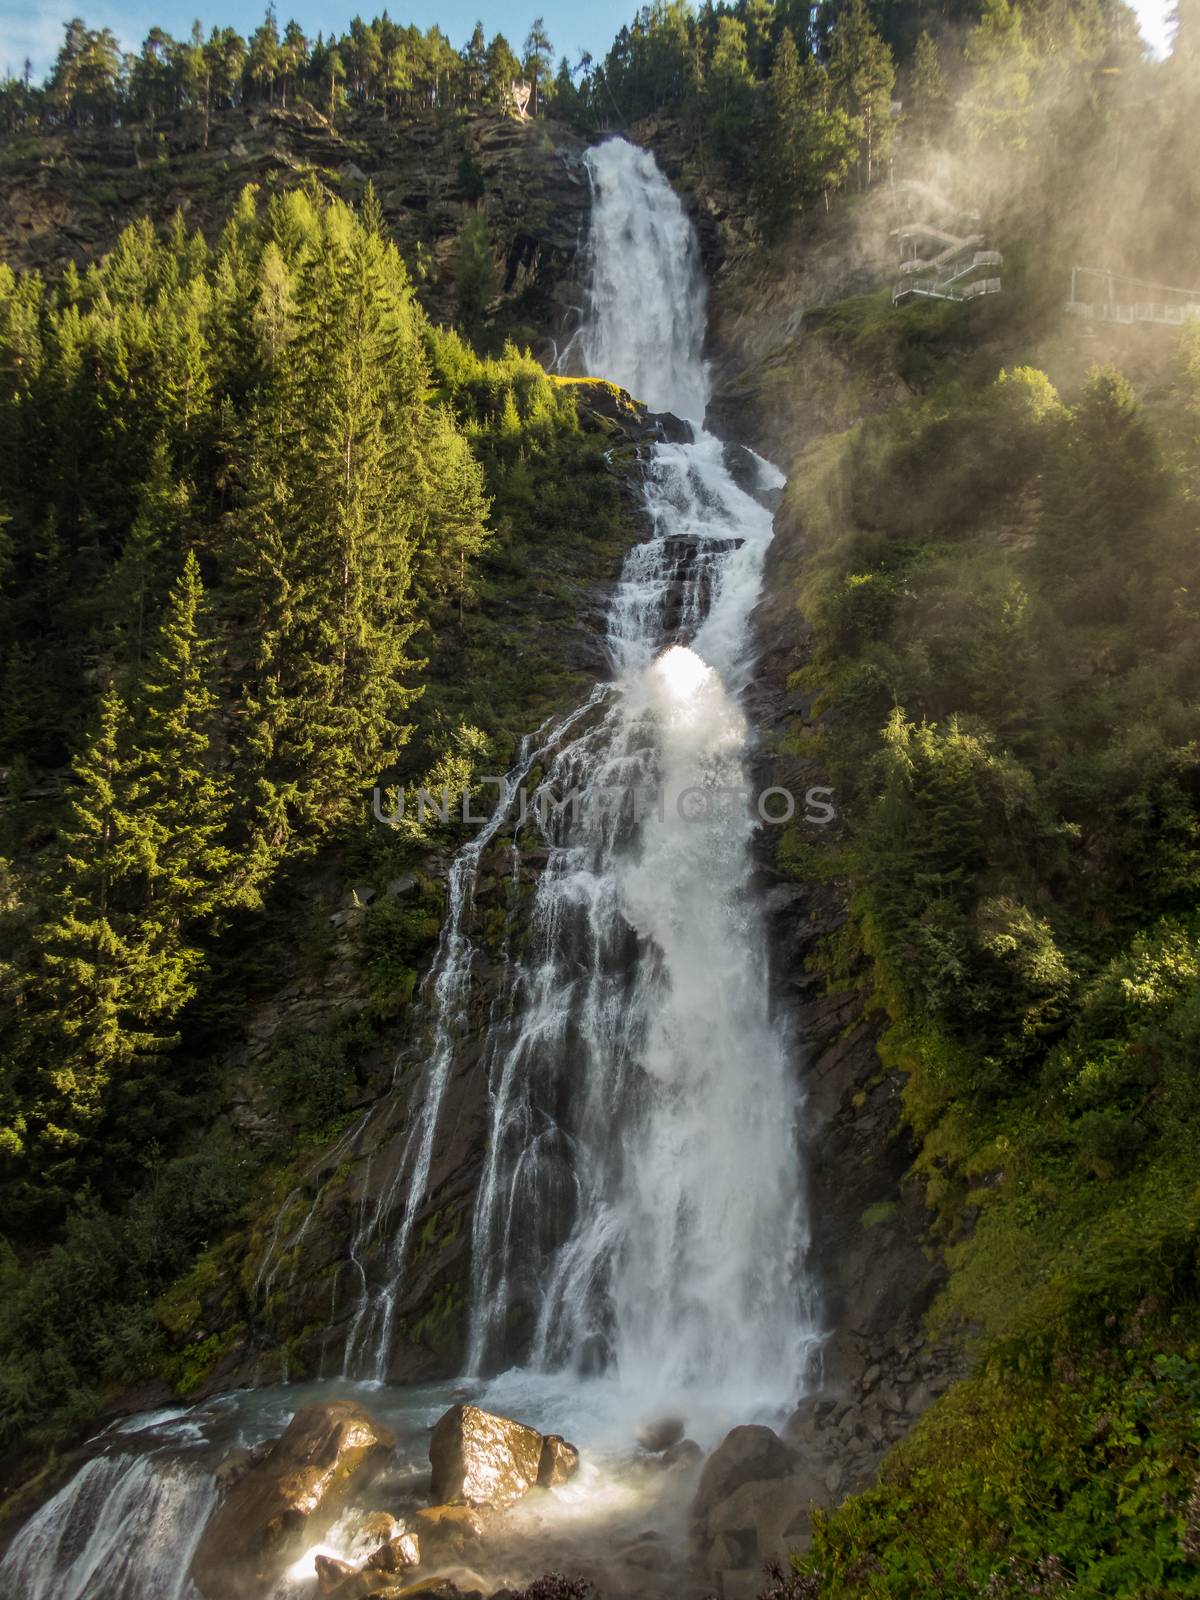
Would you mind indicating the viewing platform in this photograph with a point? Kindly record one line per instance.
(1181, 307)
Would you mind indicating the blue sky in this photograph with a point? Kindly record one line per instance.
(34, 28)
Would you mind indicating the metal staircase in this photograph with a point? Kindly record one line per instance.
(958, 270)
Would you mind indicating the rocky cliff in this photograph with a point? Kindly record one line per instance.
(65, 196)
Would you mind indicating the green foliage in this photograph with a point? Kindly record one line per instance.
(475, 280)
(1075, 1478)
(994, 583)
(312, 1070)
(396, 945)
(262, 527)
(81, 1318)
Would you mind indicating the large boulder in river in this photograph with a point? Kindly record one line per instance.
(482, 1458)
(749, 1454)
(288, 1499)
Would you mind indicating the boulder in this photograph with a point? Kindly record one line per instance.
(482, 1458)
(238, 1463)
(673, 429)
(813, 1414)
(762, 1520)
(559, 1461)
(341, 1580)
(660, 1434)
(443, 1588)
(749, 1454)
(288, 1499)
(444, 1531)
(687, 1453)
(401, 1550)
(332, 1573)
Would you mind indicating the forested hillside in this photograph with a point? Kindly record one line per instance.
(272, 532)
(253, 503)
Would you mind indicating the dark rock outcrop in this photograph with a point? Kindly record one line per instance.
(289, 1498)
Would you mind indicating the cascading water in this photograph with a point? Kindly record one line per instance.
(641, 1201)
(638, 1232)
(640, 1209)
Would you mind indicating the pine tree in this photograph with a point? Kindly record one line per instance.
(135, 583)
(862, 73)
(781, 161)
(475, 62)
(928, 97)
(186, 804)
(95, 968)
(456, 531)
(996, 106)
(327, 529)
(539, 53)
(730, 91)
(503, 69)
(1104, 487)
(475, 281)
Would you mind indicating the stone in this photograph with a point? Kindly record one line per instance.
(775, 1512)
(749, 1454)
(650, 1554)
(380, 1525)
(238, 1463)
(673, 429)
(401, 1550)
(483, 1458)
(559, 1461)
(332, 1574)
(660, 1434)
(723, 1552)
(405, 884)
(448, 1529)
(687, 1453)
(288, 1499)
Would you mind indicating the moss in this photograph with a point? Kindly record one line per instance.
(189, 1369)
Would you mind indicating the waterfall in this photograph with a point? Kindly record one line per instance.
(640, 1209)
(124, 1528)
(641, 1200)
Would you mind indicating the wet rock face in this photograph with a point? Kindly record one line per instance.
(483, 1458)
(287, 1499)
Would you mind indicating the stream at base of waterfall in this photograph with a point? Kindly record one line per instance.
(641, 1203)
